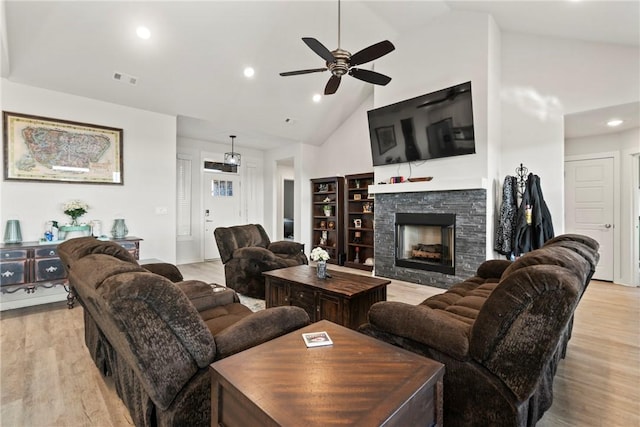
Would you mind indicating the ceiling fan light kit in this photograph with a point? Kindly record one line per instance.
(340, 62)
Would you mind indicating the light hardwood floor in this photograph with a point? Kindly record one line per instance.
(48, 379)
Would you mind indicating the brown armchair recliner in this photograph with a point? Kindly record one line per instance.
(246, 251)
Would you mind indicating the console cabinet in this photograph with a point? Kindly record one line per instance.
(31, 265)
(359, 222)
(318, 305)
(327, 221)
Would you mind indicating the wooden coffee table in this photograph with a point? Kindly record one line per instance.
(358, 381)
(344, 298)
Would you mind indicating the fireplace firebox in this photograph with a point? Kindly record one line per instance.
(426, 241)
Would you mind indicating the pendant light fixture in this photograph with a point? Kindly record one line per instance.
(232, 158)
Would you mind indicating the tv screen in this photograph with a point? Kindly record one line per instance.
(438, 124)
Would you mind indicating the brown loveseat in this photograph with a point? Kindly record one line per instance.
(156, 337)
(500, 334)
(246, 252)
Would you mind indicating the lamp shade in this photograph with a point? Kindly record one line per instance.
(12, 232)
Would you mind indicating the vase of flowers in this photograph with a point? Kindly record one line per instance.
(320, 256)
(75, 209)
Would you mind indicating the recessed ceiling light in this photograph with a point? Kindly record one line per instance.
(143, 32)
(317, 97)
(249, 72)
(614, 122)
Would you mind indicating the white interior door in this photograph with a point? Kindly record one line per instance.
(589, 207)
(222, 207)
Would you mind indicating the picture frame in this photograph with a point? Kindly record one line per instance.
(386, 138)
(45, 149)
(357, 196)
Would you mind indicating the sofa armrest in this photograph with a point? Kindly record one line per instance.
(286, 247)
(254, 253)
(157, 330)
(164, 269)
(433, 328)
(259, 327)
(493, 268)
(204, 296)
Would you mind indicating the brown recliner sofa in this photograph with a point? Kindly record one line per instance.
(500, 334)
(157, 338)
(246, 251)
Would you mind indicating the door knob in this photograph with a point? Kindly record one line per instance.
(607, 226)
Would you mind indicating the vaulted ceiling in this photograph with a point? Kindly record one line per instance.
(192, 66)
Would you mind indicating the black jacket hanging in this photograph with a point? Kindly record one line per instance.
(534, 224)
(506, 227)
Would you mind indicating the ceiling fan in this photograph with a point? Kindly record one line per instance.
(340, 62)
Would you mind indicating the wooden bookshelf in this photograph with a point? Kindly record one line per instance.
(359, 242)
(328, 227)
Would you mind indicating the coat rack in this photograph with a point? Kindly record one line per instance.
(521, 174)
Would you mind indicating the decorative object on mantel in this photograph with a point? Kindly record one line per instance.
(12, 232)
(420, 179)
(232, 158)
(75, 209)
(320, 256)
(396, 179)
(119, 229)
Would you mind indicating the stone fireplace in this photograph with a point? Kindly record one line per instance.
(442, 253)
(426, 241)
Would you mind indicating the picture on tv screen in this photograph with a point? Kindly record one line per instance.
(435, 125)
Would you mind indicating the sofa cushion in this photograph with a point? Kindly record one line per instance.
(552, 255)
(286, 247)
(219, 318)
(82, 246)
(96, 267)
(447, 332)
(229, 239)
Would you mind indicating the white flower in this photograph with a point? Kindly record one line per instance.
(75, 208)
(319, 254)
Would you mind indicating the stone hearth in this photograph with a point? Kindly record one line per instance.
(469, 206)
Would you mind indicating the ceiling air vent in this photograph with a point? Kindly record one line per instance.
(125, 78)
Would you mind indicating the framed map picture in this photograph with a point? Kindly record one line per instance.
(44, 149)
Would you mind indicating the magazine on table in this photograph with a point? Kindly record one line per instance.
(316, 339)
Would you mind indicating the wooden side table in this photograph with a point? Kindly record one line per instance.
(357, 381)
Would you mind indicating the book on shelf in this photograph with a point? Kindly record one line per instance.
(316, 339)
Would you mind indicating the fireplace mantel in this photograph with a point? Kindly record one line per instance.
(433, 185)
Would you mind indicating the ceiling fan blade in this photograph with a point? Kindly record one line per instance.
(295, 73)
(332, 85)
(372, 52)
(370, 76)
(319, 49)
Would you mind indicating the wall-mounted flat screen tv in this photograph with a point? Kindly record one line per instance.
(438, 124)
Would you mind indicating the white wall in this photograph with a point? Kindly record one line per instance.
(469, 52)
(452, 50)
(627, 145)
(542, 80)
(191, 248)
(348, 149)
(306, 166)
(149, 178)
